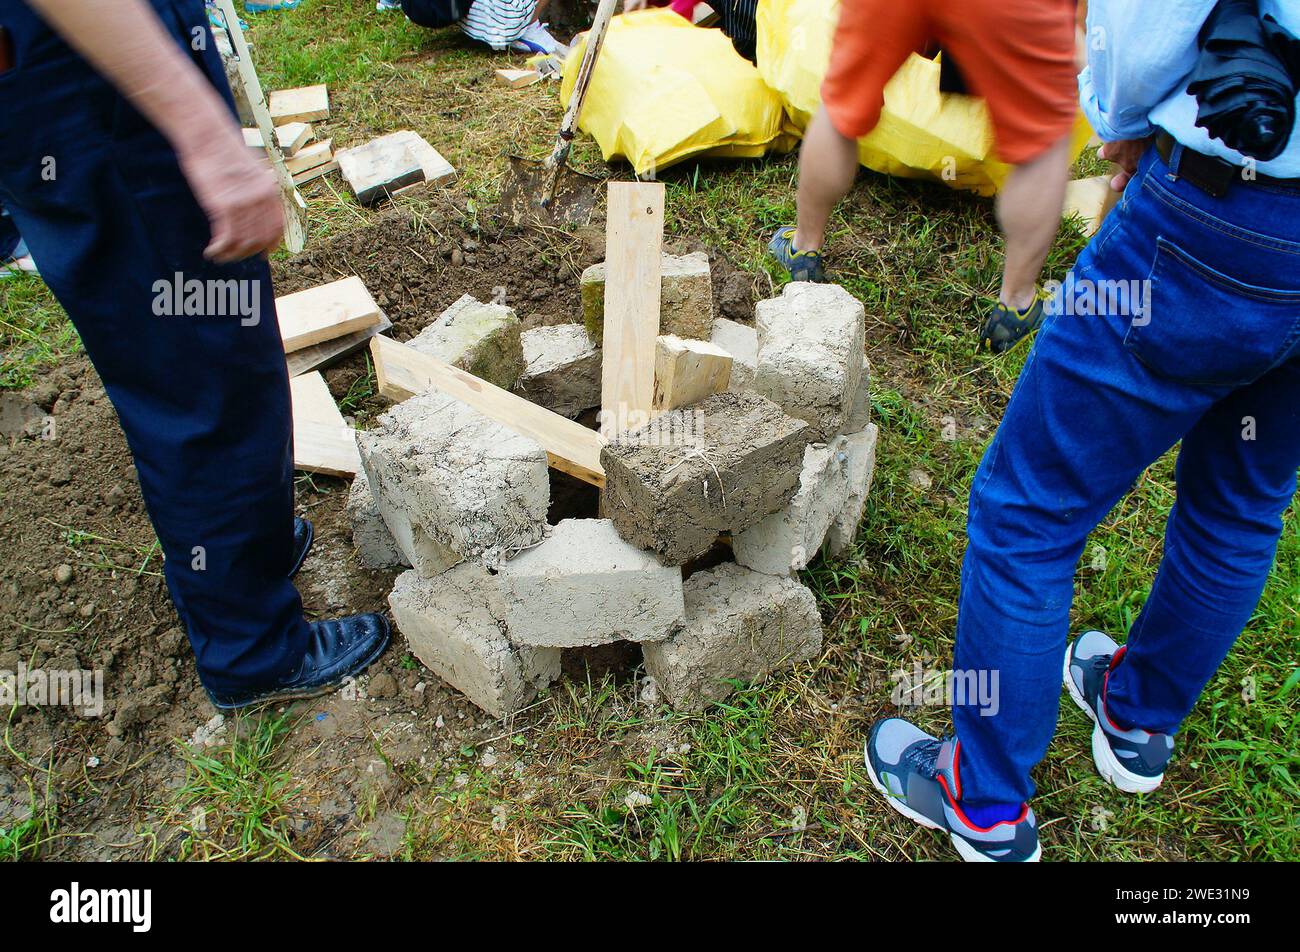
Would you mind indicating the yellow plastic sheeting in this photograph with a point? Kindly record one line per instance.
(665, 90)
(922, 133)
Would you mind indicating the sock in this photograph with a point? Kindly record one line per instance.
(985, 815)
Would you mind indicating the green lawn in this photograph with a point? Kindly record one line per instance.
(776, 772)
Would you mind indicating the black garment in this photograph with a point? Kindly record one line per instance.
(739, 23)
(1246, 79)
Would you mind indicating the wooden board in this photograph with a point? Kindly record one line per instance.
(515, 78)
(322, 440)
(302, 178)
(319, 356)
(634, 232)
(436, 168)
(403, 371)
(295, 230)
(310, 156)
(303, 104)
(687, 371)
(292, 137)
(379, 168)
(325, 312)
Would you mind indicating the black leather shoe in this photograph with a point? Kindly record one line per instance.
(337, 649)
(303, 536)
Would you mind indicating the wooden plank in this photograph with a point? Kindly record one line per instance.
(302, 178)
(291, 137)
(436, 168)
(516, 78)
(403, 371)
(327, 352)
(295, 228)
(303, 104)
(634, 232)
(379, 168)
(322, 440)
(311, 156)
(687, 371)
(325, 312)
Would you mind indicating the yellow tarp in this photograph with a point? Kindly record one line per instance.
(665, 90)
(922, 132)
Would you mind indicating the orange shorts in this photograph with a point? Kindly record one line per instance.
(1018, 55)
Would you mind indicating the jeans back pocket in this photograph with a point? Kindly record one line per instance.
(1203, 327)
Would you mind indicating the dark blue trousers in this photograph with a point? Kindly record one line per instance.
(202, 397)
(1181, 321)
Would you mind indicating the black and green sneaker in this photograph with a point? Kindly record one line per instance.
(1006, 327)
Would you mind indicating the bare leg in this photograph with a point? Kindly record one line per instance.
(1029, 211)
(828, 163)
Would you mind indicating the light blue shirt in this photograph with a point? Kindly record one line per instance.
(1141, 54)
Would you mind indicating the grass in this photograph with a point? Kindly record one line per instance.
(775, 773)
(233, 804)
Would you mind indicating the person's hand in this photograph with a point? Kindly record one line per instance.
(631, 6)
(240, 196)
(1125, 153)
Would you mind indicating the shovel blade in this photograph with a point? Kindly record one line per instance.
(524, 193)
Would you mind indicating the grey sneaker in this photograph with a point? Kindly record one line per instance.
(919, 775)
(1132, 760)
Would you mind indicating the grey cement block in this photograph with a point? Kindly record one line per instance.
(861, 452)
(810, 354)
(787, 541)
(455, 625)
(741, 342)
(740, 625)
(561, 369)
(481, 338)
(721, 465)
(374, 544)
(685, 297)
(586, 586)
(860, 411)
(452, 484)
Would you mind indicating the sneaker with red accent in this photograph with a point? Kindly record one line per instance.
(919, 775)
(1131, 759)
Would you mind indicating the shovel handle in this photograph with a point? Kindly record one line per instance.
(595, 40)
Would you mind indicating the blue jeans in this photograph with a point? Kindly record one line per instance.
(1211, 358)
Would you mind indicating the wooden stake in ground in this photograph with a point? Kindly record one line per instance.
(634, 233)
(295, 231)
(402, 371)
(687, 371)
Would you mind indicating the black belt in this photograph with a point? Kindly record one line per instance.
(1213, 175)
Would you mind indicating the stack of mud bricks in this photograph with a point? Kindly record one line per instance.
(709, 510)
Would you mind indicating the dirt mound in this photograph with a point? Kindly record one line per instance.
(82, 585)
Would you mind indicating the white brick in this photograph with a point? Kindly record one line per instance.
(455, 625)
(741, 342)
(740, 625)
(452, 484)
(788, 540)
(373, 542)
(810, 354)
(861, 451)
(561, 369)
(585, 586)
